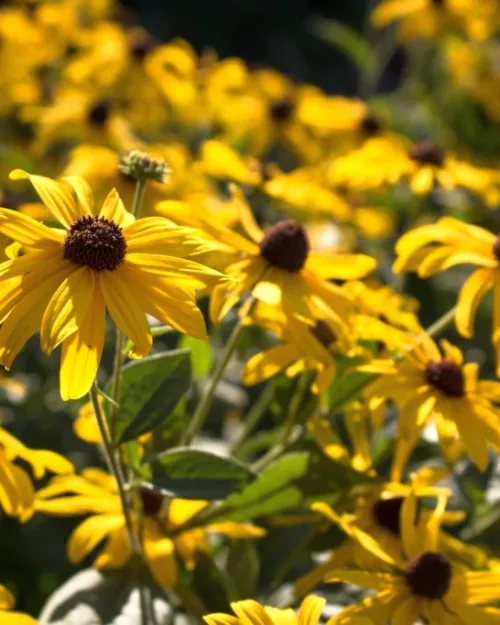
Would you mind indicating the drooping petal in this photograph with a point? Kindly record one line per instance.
(365, 579)
(116, 552)
(247, 219)
(56, 197)
(266, 364)
(89, 533)
(81, 353)
(126, 312)
(67, 308)
(25, 319)
(471, 293)
(27, 231)
(114, 210)
(160, 555)
(6, 599)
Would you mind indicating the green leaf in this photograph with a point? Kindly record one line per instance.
(201, 355)
(243, 568)
(196, 474)
(345, 39)
(295, 480)
(151, 389)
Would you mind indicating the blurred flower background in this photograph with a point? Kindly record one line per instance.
(363, 120)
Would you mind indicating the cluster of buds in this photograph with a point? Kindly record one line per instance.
(141, 166)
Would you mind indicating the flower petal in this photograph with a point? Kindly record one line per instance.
(266, 364)
(114, 210)
(83, 192)
(56, 197)
(67, 308)
(90, 533)
(81, 353)
(340, 266)
(27, 231)
(126, 312)
(472, 292)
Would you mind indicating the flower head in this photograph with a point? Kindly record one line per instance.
(67, 279)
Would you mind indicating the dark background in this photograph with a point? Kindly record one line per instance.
(262, 32)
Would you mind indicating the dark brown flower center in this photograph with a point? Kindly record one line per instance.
(496, 249)
(387, 513)
(96, 243)
(99, 113)
(281, 110)
(429, 575)
(285, 245)
(152, 501)
(438, 3)
(446, 376)
(323, 333)
(370, 125)
(427, 153)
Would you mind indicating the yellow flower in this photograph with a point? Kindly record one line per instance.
(94, 493)
(8, 617)
(429, 18)
(279, 268)
(429, 384)
(249, 612)
(434, 248)
(16, 490)
(385, 161)
(310, 345)
(68, 278)
(422, 583)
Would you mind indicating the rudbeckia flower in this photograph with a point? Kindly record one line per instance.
(429, 18)
(249, 612)
(423, 584)
(17, 495)
(376, 508)
(432, 385)
(434, 248)
(278, 267)
(94, 493)
(306, 346)
(385, 161)
(8, 617)
(68, 278)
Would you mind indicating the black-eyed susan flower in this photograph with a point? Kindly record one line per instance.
(423, 584)
(68, 278)
(17, 494)
(429, 384)
(449, 242)
(250, 612)
(385, 161)
(7, 603)
(278, 267)
(306, 346)
(94, 493)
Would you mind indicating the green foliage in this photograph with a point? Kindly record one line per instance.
(196, 474)
(151, 388)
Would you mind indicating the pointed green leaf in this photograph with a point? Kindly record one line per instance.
(151, 389)
(196, 474)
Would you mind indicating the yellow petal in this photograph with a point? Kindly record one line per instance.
(56, 197)
(67, 308)
(81, 353)
(114, 210)
(25, 319)
(16, 618)
(27, 231)
(247, 219)
(340, 266)
(267, 364)
(251, 613)
(90, 533)
(7, 600)
(472, 292)
(126, 312)
(365, 579)
(83, 194)
(160, 555)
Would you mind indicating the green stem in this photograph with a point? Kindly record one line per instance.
(204, 404)
(115, 469)
(116, 381)
(295, 404)
(253, 418)
(140, 187)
